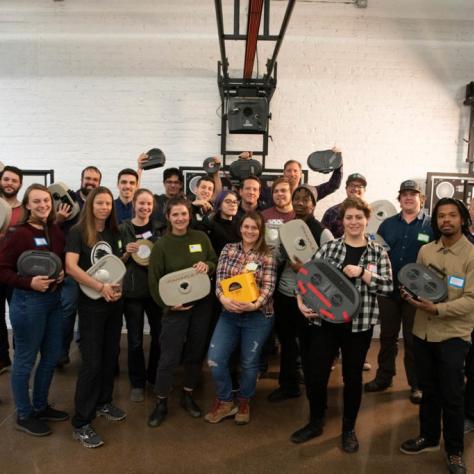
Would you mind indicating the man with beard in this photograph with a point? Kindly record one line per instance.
(90, 179)
(442, 336)
(11, 179)
(282, 209)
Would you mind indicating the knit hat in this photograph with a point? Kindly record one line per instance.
(311, 190)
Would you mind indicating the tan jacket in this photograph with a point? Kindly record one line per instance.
(456, 314)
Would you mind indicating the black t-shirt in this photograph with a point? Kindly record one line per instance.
(143, 231)
(353, 255)
(108, 244)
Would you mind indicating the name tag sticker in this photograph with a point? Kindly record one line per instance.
(456, 282)
(40, 241)
(422, 237)
(146, 235)
(372, 267)
(193, 248)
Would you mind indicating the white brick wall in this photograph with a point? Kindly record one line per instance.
(89, 82)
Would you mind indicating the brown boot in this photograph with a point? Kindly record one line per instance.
(220, 410)
(243, 415)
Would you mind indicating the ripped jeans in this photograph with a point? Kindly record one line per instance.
(250, 330)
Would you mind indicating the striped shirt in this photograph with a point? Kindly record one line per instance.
(376, 261)
(233, 261)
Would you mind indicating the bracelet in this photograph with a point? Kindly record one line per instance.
(362, 270)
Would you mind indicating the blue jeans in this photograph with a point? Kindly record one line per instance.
(251, 330)
(37, 327)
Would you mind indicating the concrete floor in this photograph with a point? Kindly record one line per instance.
(186, 445)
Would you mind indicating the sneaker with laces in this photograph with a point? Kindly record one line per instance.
(455, 464)
(87, 436)
(418, 445)
(111, 412)
(51, 414)
(242, 417)
(220, 410)
(468, 425)
(32, 426)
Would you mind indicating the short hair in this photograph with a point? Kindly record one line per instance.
(463, 211)
(91, 168)
(206, 177)
(280, 180)
(290, 162)
(221, 196)
(127, 171)
(13, 169)
(355, 203)
(168, 172)
(255, 178)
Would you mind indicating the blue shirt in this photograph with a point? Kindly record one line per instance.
(124, 211)
(405, 240)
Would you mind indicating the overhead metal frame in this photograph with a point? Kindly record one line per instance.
(247, 86)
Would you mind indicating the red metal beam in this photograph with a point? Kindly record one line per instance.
(253, 27)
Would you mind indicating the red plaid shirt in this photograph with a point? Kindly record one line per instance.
(233, 261)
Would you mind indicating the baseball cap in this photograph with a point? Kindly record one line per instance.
(410, 185)
(356, 177)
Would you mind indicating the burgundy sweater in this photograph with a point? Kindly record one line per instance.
(26, 237)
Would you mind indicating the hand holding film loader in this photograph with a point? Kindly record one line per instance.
(422, 286)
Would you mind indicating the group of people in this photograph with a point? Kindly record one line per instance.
(222, 232)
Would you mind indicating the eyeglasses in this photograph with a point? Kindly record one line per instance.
(356, 186)
(168, 181)
(231, 202)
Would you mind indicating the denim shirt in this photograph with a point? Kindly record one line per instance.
(405, 240)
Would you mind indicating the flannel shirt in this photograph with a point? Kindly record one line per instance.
(233, 261)
(381, 283)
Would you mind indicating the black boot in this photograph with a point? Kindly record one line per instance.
(159, 413)
(188, 403)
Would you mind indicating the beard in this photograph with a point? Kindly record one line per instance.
(86, 191)
(8, 194)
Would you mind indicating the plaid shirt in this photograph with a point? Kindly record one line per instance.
(333, 222)
(233, 261)
(375, 260)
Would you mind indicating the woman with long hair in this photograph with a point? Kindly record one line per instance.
(137, 298)
(184, 328)
(244, 325)
(100, 321)
(367, 265)
(35, 311)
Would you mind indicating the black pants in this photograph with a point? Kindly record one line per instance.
(440, 367)
(319, 347)
(286, 311)
(184, 336)
(469, 391)
(5, 295)
(393, 314)
(100, 325)
(134, 310)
